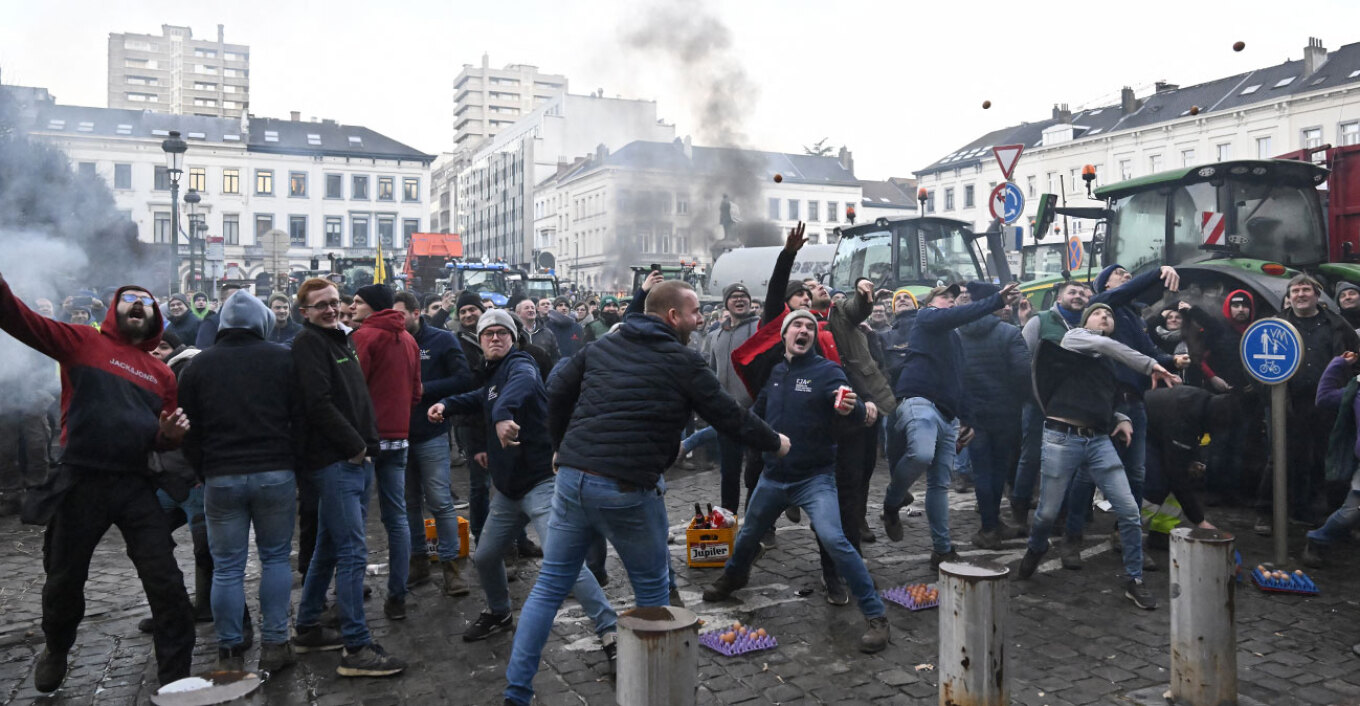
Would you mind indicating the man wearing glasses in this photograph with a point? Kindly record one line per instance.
(118, 405)
(341, 434)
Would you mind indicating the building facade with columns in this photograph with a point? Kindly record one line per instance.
(335, 189)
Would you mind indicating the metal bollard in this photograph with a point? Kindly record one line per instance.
(1203, 628)
(973, 604)
(658, 657)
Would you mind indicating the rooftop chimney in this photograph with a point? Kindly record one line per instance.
(688, 147)
(295, 115)
(1314, 56)
(1127, 103)
(1163, 86)
(1062, 113)
(847, 159)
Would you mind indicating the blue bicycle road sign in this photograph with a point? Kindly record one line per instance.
(1272, 350)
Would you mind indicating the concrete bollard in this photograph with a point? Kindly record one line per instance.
(973, 602)
(658, 657)
(1203, 615)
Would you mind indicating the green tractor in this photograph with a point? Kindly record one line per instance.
(1249, 224)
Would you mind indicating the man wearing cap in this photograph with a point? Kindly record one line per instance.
(605, 319)
(390, 360)
(922, 435)
(898, 335)
(719, 347)
(512, 408)
(1076, 386)
(804, 399)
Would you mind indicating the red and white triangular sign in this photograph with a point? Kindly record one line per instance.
(1007, 156)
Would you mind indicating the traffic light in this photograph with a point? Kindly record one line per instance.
(1043, 216)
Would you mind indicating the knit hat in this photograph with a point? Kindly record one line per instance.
(903, 290)
(1103, 278)
(793, 288)
(377, 296)
(981, 290)
(609, 300)
(496, 317)
(1085, 315)
(733, 289)
(169, 337)
(185, 300)
(514, 301)
(1241, 297)
(1343, 286)
(468, 298)
(796, 314)
(561, 301)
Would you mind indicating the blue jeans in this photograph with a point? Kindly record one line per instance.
(1064, 454)
(235, 503)
(991, 452)
(389, 469)
(427, 483)
(817, 496)
(341, 551)
(1031, 448)
(924, 441)
(503, 524)
(1134, 458)
(585, 507)
(1339, 524)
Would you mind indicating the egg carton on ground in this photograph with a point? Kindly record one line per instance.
(744, 642)
(1297, 583)
(901, 595)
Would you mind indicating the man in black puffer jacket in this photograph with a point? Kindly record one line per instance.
(615, 412)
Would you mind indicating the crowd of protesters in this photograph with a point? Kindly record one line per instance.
(284, 417)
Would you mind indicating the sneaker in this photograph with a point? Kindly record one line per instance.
(529, 550)
(395, 608)
(486, 625)
(231, 659)
(1263, 526)
(723, 588)
(875, 639)
(1136, 591)
(316, 639)
(454, 583)
(276, 657)
(611, 650)
(835, 591)
(769, 541)
(461, 504)
(1029, 564)
(987, 539)
(369, 661)
(961, 484)
(330, 617)
(675, 600)
(50, 671)
(937, 558)
(1312, 555)
(420, 570)
(794, 513)
(1070, 552)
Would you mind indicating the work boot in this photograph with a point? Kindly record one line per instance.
(486, 625)
(724, 587)
(675, 599)
(892, 523)
(1020, 515)
(866, 536)
(529, 550)
(1029, 564)
(454, 583)
(316, 639)
(875, 639)
(420, 570)
(987, 539)
(1070, 553)
(1149, 564)
(395, 608)
(275, 657)
(1312, 555)
(50, 671)
(1005, 531)
(769, 540)
(936, 558)
(230, 659)
(202, 594)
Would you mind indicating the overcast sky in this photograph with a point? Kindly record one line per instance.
(900, 83)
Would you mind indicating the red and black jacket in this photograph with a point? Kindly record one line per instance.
(112, 392)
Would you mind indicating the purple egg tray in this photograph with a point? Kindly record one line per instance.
(747, 642)
(1296, 583)
(901, 595)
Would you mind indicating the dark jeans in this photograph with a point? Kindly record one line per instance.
(97, 501)
(1168, 473)
(1307, 429)
(1031, 446)
(309, 500)
(189, 512)
(991, 452)
(852, 450)
(730, 455)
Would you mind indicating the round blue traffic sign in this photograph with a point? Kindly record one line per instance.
(1007, 202)
(1272, 350)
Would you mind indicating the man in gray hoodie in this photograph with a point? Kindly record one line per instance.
(718, 351)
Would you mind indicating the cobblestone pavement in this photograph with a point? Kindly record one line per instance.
(1071, 637)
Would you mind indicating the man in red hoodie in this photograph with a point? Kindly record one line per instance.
(118, 404)
(390, 360)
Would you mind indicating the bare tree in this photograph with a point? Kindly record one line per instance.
(818, 148)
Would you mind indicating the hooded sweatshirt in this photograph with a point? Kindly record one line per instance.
(1129, 327)
(112, 392)
(390, 360)
(240, 396)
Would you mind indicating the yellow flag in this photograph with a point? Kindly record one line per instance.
(380, 268)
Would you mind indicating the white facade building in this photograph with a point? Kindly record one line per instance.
(660, 202)
(495, 196)
(335, 189)
(1256, 115)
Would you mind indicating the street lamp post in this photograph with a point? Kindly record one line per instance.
(191, 199)
(174, 149)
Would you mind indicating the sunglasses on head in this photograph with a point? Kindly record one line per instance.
(130, 298)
